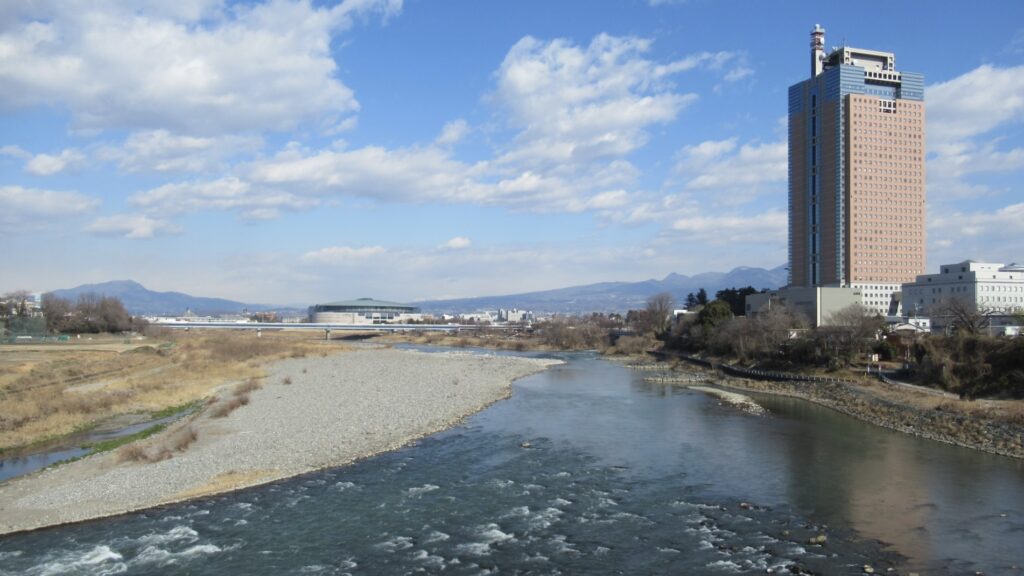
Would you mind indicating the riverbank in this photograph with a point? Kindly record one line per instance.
(310, 413)
(52, 392)
(915, 412)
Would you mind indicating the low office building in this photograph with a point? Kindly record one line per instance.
(364, 311)
(515, 316)
(986, 287)
(816, 304)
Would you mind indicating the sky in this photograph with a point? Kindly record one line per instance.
(293, 152)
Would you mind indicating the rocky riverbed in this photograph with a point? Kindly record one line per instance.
(949, 426)
(309, 413)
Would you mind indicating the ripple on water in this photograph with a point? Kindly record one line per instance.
(485, 536)
(429, 560)
(180, 532)
(421, 490)
(164, 557)
(97, 560)
(394, 544)
(436, 536)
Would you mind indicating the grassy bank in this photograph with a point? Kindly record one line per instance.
(52, 391)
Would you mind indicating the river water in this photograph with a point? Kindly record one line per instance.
(619, 477)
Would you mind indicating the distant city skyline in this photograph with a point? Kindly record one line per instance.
(294, 152)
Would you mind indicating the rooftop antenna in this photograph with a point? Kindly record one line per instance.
(817, 49)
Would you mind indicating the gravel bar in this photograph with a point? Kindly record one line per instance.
(311, 413)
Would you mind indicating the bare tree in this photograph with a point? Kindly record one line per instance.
(14, 303)
(57, 312)
(659, 312)
(963, 316)
(851, 330)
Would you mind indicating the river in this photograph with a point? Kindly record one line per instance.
(588, 469)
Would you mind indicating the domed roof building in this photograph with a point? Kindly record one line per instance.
(363, 311)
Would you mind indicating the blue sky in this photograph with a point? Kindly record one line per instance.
(293, 152)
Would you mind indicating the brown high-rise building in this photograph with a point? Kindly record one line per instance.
(856, 173)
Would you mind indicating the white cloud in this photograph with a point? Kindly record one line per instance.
(163, 151)
(342, 254)
(413, 174)
(578, 104)
(47, 165)
(762, 229)
(227, 193)
(431, 174)
(1000, 223)
(453, 132)
(987, 235)
(30, 208)
(135, 226)
(737, 175)
(457, 243)
(738, 73)
(205, 68)
(15, 152)
(975, 103)
(962, 114)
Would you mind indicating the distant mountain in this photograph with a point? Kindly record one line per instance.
(600, 297)
(139, 300)
(615, 296)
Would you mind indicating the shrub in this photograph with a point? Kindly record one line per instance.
(247, 386)
(225, 407)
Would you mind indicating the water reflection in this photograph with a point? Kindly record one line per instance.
(930, 501)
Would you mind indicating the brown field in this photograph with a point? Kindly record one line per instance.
(51, 390)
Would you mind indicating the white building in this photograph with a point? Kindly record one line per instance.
(515, 315)
(986, 287)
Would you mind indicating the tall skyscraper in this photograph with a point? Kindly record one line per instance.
(856, 173)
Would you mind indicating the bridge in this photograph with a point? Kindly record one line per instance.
(327, 328)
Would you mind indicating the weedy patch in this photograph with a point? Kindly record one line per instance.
(50, 393)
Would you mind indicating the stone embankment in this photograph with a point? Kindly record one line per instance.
(310, 413)
(949, 426)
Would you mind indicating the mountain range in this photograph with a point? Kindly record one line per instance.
(137, 299)
(615, 296)
(600, 297)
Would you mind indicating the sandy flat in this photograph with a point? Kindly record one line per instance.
(335, 409)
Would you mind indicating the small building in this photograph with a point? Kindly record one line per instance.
(816, 303)
(364, 311)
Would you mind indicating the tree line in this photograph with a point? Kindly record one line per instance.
(90, 314)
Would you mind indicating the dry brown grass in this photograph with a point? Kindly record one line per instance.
(163, 447)
(247, 386)
(1011, 411)
(228, 405)
(50, 391)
